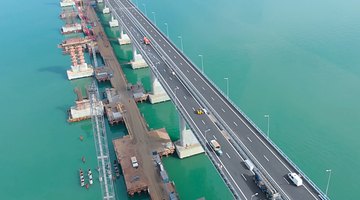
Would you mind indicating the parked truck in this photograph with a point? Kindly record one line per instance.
(265, 186)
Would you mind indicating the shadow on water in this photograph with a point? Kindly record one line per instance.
(56, 70)
(52, 4)
(64, 111)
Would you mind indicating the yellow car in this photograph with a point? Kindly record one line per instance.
(199, 111)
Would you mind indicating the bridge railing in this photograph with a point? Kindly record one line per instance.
(242, 113)
(254, 126)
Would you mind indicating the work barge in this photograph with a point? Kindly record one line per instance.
(120, 106)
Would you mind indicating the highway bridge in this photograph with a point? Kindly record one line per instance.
(190, 89)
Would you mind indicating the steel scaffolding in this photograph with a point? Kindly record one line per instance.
(101, 143)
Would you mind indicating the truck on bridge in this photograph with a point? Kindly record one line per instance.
(146, 41)
(265, 186)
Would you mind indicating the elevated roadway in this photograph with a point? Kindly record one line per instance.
(189, 89)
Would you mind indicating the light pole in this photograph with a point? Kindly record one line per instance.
(202, 62)
(268, 124)
(327, 186)
(252, 196)
(227, 87)
(205, 133)
(182, 47)
(167, 29)
(154, 17)
(145, 8)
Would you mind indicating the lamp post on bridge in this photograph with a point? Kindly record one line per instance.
(268, 124)
(227, 87)
(252, 196)
(181, 42)
(202, 62)
(167, 29)
(328, 182)
(154, 17)
(145, 8)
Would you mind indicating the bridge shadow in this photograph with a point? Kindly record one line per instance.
(52, 4)
(56, 70)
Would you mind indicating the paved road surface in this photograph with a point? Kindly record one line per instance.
(194, 88)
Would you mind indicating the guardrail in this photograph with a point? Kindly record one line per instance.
(222, 95)
(245, 116)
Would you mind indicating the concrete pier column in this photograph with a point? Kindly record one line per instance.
(188, 145)
(113, 22)
(138, 61)
(106, 10)
(158, 94)
(182, 129)
(124, 38)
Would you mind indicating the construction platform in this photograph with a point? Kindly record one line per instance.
(138, 92)
(114, 109)
(81, 110)
(103, 73)
(135, 177)
(114, 113)
(68, 43)
(140, 142)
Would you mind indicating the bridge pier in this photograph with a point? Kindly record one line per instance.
(188, 145)
(106, 10)
(138, 61)
(124, 38)
(158, 94)
(113, 22)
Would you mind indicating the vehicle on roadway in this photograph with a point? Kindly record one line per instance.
(296, 179)
(134, 162)
(249, 164)
(199, 111)
(265, 186)
(146, 41)
(216, 146)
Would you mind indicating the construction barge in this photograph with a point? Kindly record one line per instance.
(135, 179)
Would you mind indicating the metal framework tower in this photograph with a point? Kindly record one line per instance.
(101, 143)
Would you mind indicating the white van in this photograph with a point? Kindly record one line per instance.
(295, 179)
(249, 164)
(216, 146)
(134, 162)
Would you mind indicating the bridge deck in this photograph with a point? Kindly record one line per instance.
(189, 90)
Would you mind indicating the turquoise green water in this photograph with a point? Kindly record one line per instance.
(296, 61)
